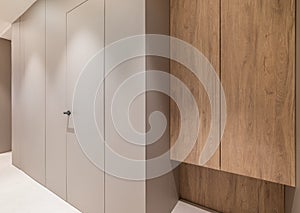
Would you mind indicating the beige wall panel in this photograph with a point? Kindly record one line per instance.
(258, 76)
(56, 122)
(162, 193)
(15, 90)
(85, 37)
(5, 95)
(124, 18)
(29, 93)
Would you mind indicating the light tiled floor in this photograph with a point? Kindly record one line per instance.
(20, 194)
(182, 207)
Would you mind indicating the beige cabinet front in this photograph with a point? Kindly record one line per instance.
(85, 37)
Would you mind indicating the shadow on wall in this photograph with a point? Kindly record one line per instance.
(5, 95)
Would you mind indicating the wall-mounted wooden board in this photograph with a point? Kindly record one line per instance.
(196, 22)
(258, 76)
(229, 193)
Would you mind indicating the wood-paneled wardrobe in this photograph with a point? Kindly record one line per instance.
(252, 46)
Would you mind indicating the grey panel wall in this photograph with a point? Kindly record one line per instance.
(162, 192)
(5, 95)
(85, 37)
(29, 92)
(44, 146)
(16, 80)
(56, 77)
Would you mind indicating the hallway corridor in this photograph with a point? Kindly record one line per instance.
(19, 193)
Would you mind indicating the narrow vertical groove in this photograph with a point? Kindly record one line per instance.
(296, 82)
(220, 87)
(296, 77)
(45, 93)
(146, 101)
(66, 95)
(104, 103)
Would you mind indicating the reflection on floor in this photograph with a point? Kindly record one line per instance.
(182, 207)
(20, 194)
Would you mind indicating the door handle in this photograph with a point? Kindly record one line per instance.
(68, 113)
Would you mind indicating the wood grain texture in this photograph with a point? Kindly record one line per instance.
(229, 193)
(258, 76)
(196, 22)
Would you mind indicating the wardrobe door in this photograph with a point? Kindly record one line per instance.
(29, 92)
(56, 122)
(196, 22)
(15, 90)
(124, 19)
(85, 37)
(258, 76)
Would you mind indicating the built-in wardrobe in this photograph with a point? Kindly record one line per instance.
(51, 44)
(251, 44)
(252, 47)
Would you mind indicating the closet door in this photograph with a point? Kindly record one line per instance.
(258, 76)
(28, 84)
(85, 37)
(56, 122)
(124, 19)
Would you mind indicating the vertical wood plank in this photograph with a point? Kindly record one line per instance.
(258, 76)
(196, 22)
(229, 193)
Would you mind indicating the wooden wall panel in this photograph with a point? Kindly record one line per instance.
(292, 194)
(229, 193)
(258, 76)
(196, 22)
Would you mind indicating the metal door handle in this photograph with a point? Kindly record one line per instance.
(68, 113)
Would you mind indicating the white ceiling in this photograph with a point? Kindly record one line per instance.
(10, 11)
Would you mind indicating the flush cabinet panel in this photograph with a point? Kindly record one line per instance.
(124, 19)
(85, 37)
(258, 76)
(196, 22)
(15, 90)
(56, 122)
(28, 84)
